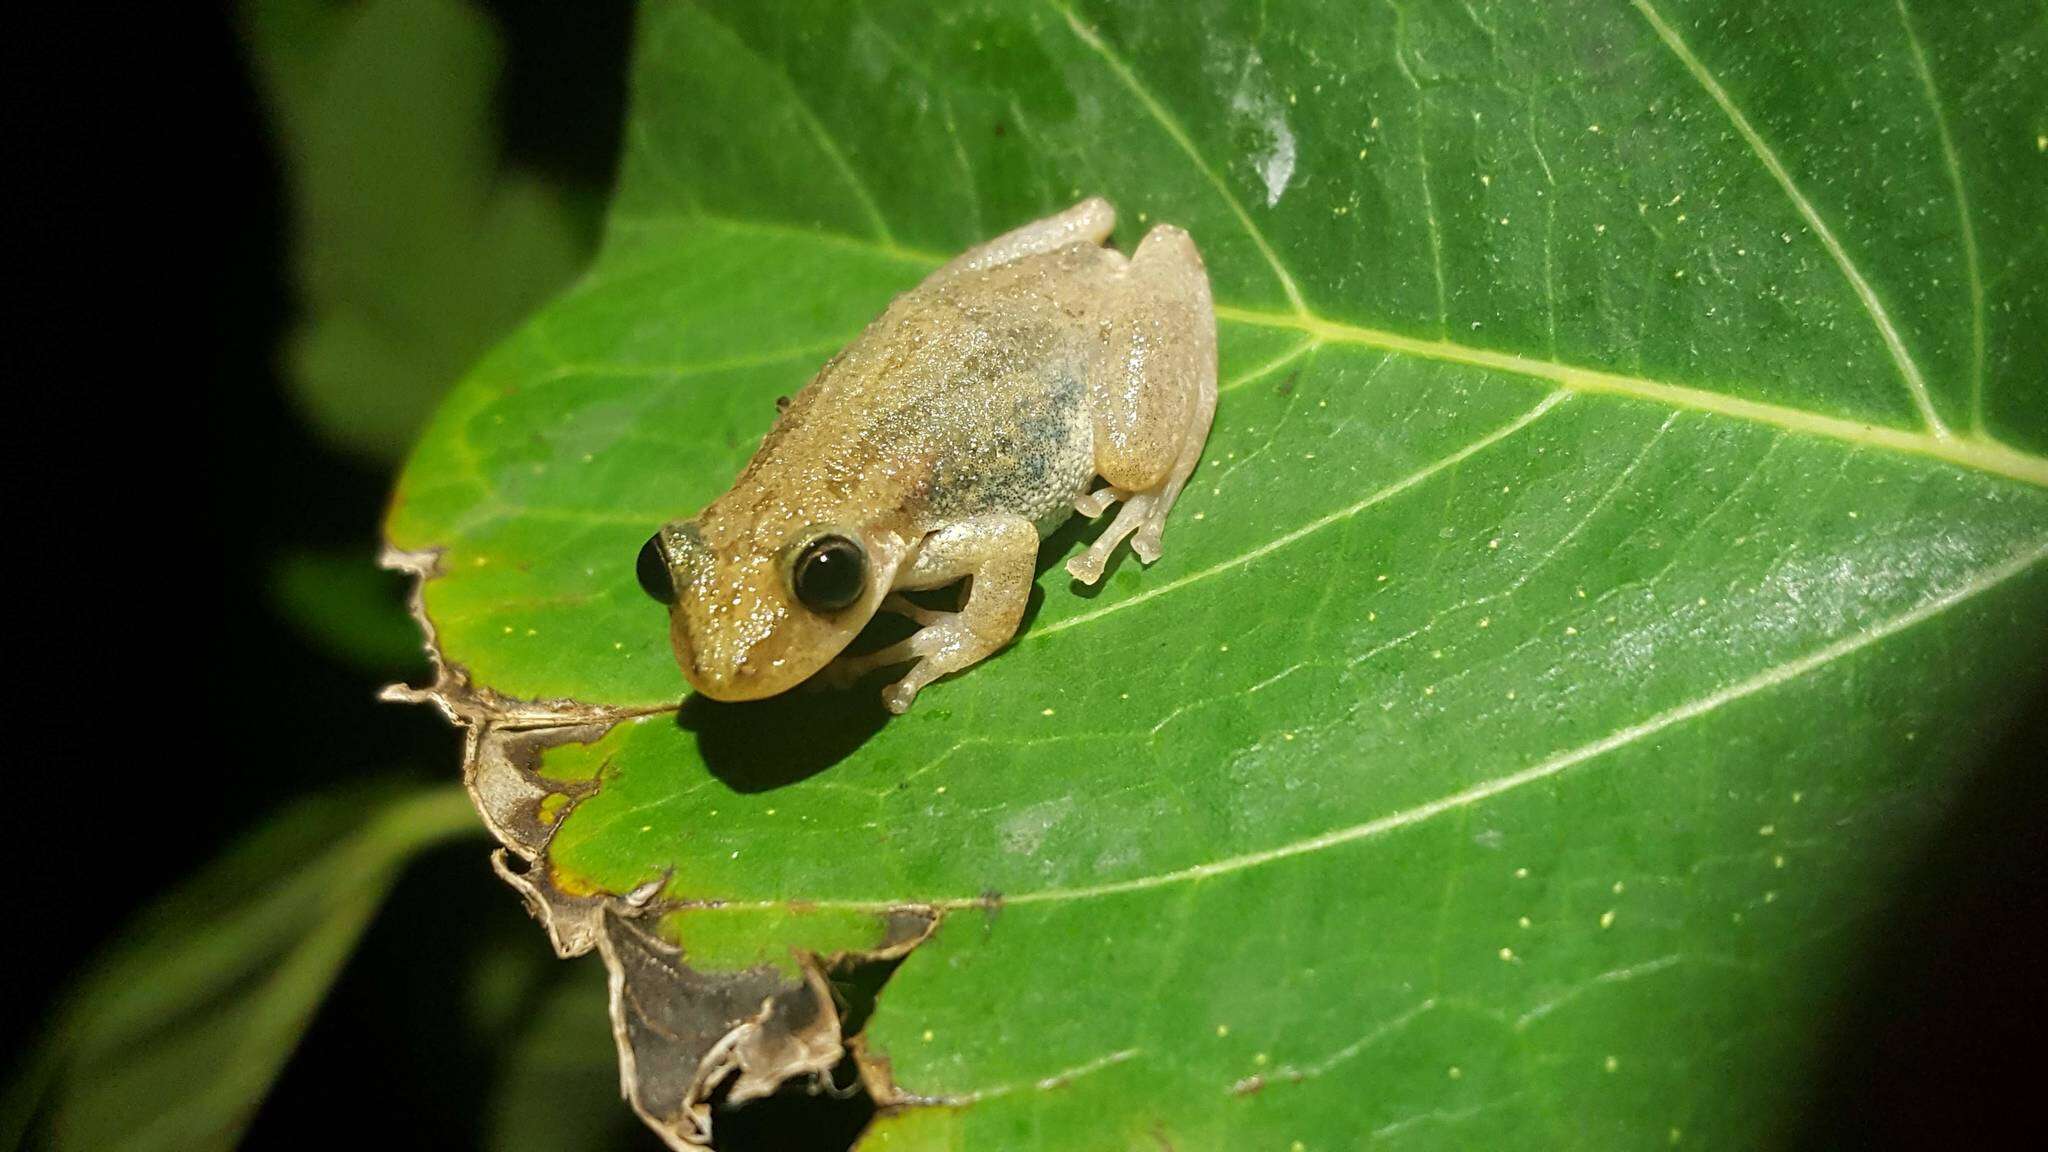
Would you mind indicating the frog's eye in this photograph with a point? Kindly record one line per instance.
(652, 569)
(829, 574)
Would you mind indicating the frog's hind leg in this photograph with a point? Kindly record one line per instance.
(996, 552)
(1152, 390)
(1090, 222)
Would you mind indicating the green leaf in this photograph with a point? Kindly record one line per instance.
(1622, 527)
(415, 248)
(172, 1039)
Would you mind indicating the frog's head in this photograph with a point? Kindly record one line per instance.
(756, 608)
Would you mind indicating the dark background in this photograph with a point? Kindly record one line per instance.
(1933, 1047)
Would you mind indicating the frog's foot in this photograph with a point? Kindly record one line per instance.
(847, 670)
(947, 643)
(996, 552)
(1140, 511)
(938, 648)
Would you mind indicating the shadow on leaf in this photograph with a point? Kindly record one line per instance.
(761, 745)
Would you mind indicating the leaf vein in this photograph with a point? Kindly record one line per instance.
(1487, 789)
(1345, 513)
(1909, 370)
(1179, 136)
(1954, 165)
(827, 143)
(1772, 677)
(1981, 454)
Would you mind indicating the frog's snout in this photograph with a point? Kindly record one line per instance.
(706, 677)
(713, 675)
(667, 568)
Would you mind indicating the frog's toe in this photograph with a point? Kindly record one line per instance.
(898, 697)
(1087, 567)
(924, 617)
(1095, 503)
(847, 670)
(1146, 543)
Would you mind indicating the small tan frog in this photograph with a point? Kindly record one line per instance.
(945, 442)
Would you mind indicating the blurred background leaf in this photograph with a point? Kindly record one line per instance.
(417, 244)
(173, 1037)
(558, 1087)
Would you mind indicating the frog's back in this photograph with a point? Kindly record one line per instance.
(966, 396)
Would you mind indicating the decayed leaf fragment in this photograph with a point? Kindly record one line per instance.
(682, 1033)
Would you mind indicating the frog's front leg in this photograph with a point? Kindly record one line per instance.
(996, 552)
(1152, 392)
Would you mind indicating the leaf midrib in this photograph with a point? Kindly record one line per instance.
(1977, 452)
(1974, 451)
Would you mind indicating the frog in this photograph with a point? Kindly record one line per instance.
(1039, 375)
